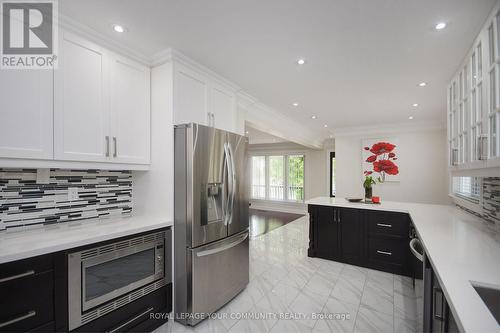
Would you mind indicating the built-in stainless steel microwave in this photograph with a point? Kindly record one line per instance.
(107, 277)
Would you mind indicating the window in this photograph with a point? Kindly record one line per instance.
(295, 188)
(259, 177)
(332, 175)
(467, 187)
(278, 177)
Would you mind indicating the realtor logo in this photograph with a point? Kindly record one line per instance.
(29, 33)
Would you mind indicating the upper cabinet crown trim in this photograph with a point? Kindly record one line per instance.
(174, 55)
(73, 26)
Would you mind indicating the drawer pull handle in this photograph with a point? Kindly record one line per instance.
(15, 320)
(130, 321)
(384, 225)
(384, 253)
(18, 276)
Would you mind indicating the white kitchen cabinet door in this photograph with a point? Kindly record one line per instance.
(190, 97)
(81, 114)
(26, 118)
(223, 107)
(130, 111)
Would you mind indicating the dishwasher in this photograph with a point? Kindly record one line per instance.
(417, 262)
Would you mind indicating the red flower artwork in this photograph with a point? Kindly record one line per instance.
(371, 159)
(382, 160)
(385, 166)
(382, 148)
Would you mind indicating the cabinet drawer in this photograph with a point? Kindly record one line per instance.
(386, 250)
(21, 268)
(388, 223)
(27, 303)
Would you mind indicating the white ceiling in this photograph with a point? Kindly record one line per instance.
(258, 137)
(365, 58)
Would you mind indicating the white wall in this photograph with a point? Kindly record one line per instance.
(153, 191)
(422, 165)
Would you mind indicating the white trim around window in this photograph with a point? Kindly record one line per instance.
(285, 185)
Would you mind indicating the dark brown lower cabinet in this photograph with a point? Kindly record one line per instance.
(363, 237)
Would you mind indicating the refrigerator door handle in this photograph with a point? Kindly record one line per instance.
(227, 214)
(232, 183)
(223, 247)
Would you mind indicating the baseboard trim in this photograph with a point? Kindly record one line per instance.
(285, 207)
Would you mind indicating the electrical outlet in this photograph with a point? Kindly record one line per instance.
(72, 193)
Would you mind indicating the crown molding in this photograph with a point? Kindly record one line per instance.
(386, 129)
(69, 24)
(173, 55)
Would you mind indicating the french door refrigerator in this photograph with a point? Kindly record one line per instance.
(210, 220)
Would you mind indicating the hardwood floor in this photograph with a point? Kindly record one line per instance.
(263, 221)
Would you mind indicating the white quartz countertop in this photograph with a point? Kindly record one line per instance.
(16, 245)
(461, 247)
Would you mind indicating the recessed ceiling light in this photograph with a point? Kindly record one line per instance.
(313, 117)
(295, 104)
(331, 136)
(415, 105)
(325, 125)
(118, 28)
(422, 84)
(410, 117)
(440, 26)
(246, 132)
(301, 61)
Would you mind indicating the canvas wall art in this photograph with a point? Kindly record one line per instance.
(380, 159)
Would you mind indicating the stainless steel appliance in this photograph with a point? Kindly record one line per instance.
(417, 262)
(104, 278)
(211, 220)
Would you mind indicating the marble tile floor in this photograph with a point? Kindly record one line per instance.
(294, 293)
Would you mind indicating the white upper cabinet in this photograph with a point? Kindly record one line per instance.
(130, 111)
(26, 114)
(80, 113)
(102, 105)
(474, 103)
(201, 98)
(190, 97)
(223, 107)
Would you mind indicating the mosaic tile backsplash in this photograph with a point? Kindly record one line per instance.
(100, 193)
(491, 199)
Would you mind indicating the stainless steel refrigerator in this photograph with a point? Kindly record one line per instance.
(210, 220)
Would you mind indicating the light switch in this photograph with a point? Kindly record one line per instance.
(42, 176)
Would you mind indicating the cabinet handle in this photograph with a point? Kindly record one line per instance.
(18, 276)
(338, 216)
(384, 253)
(438, 316)
(20, 318)
(454, 156)
(115, 153)
(334, 215)
(384, 225)
(107, 146)
(213, 119)
(480, 147)
(130, 321)
(209, 119)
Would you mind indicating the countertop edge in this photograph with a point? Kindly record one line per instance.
(85, 239)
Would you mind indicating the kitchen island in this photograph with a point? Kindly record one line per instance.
(461, 247)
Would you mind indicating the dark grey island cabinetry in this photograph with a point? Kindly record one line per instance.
(363, 237)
